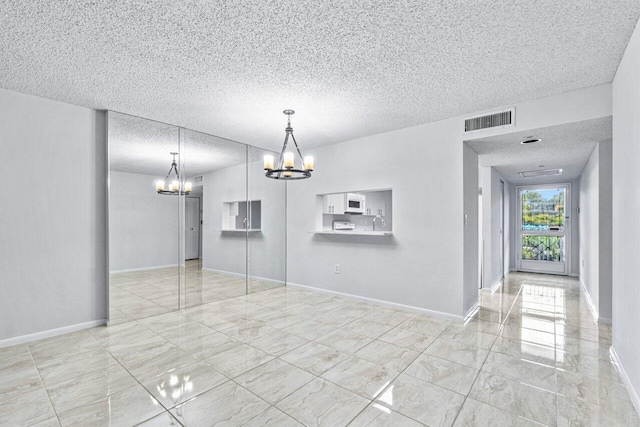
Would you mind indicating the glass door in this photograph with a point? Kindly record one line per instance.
(544, 232)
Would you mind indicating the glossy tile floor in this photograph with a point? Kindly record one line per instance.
(531, 356)
(139, 294)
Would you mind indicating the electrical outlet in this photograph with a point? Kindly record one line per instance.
(337, 269)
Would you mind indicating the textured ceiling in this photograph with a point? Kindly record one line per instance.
(567, 147)
(143, 146)
(349, 69)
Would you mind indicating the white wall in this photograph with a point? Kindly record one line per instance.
(471, 186)
(143, 225)
(493, 266)
(227, 251)
(626, 205)
(53, 216)
(421, 265)
(595, 230)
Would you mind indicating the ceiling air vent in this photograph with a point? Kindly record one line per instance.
(546, 172)
(502, 118)
(198, 178)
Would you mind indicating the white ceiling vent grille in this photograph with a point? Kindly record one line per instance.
(501, 118)
(198, 178)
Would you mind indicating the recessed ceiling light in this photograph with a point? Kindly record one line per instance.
(530, 140)
(546, 172)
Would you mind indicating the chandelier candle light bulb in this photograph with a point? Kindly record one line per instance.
(308, 163)
(188, 187)
(268, 162)
(288, 161)
(159, 185)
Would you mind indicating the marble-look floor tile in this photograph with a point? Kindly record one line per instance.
(445, 374)
(344, 341)
(274, 380)
(515, 397)
(468, 337)
(360, 376)
(63, 345)
(165, 419)
(525, 350)
(314, 357)
(368, 328)
(376, 415)
(273, 417)
(531, 373)
(62, 369)
(17, 354)
(421, 401)
(152, 363)
(408, 339)
(388, 355)
(89, 388)
(206, 346)
(227, 404)
(25, 409)
(19, 378)
(238, 360)
(478, 414)
(322, 403)
(127, 407)
(278, 343)
(181, 384)
(580, 413)
(473, 357)
(425, 325)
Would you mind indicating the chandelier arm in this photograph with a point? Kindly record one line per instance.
(281, 158)
(297, 148)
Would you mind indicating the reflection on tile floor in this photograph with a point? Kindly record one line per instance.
(139, 294)
(532, 355)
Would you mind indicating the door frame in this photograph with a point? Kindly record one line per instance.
(199, 226)
(568, 229)
(502, 254)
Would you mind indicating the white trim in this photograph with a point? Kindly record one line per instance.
(592, 306)
(156, 267)
(51, 333)
(374, 301)
(473, 310)
(625, 379)
(230, 273)
(494, 286)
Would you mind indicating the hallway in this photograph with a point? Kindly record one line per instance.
(287, 356)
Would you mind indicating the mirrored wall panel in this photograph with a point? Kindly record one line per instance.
(143, 224)
(193, 220)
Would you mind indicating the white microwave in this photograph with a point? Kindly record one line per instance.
(354, 203)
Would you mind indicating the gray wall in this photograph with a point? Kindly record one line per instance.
(626, 205)
(143, 225)
(53, 251)
(493, 266)
(470, 284)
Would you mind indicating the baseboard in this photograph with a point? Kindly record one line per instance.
(383, 303)
(605, 320)
(473, 310)
(155, 267)
(494, 286)
(230, 273)
(573, 275)
(592, 306)
(625, 379)
(51, 333)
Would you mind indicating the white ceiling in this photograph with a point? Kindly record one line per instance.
(565, 147)
(143, 146)
(350, 69)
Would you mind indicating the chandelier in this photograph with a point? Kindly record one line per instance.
(174, 187)
(286, 168)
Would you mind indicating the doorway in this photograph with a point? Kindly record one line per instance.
(192, 228)
(544, 229)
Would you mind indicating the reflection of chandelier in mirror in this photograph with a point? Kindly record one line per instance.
(286, 168)
(174, 185)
